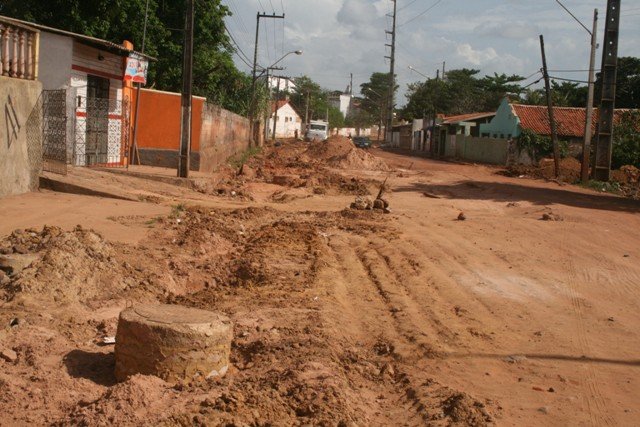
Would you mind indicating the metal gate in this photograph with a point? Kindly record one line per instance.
(101, 132)
(54, 131)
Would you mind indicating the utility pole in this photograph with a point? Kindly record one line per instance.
(133, 153)
(275, 115)
(609, 72)
(444, 75)
(351, 86)
(586, 145)
(435, 148)
(552, 121)
(187, 80)
(306, 114)
(392, 71)
(252, 111)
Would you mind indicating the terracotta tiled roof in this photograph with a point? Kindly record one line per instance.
(467, 117)
(569, 121)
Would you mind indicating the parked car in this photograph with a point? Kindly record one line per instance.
(361, 142)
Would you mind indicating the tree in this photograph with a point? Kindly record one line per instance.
(308, 90)
(375, 98)
(627, 84)
(215, 75)
(626, 144)
(461, 92)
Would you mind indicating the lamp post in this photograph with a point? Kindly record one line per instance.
(266, 70)
(381, 107)
(586, 144)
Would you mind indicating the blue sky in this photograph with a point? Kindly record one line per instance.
(347, 36)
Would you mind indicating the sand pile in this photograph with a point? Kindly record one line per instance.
(64, 266)
(339, 152)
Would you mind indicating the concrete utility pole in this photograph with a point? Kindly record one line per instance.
(187, 81)
(552, 121)
(252, 111)
(351, 86)
(392, 71)
(609, 74)
(444, 74)
(586, 145)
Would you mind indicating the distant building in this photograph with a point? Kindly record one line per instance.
(511, 119)
(286, 85)
(288, 120)
(341, 101)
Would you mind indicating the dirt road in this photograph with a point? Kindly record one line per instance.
(343, 317)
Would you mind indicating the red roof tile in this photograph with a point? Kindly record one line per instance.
(466, 117)
(569, 121)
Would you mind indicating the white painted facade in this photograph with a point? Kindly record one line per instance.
(286, 85)
(342, 103)
(287, 123)
(65, 63)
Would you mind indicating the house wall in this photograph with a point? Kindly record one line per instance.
(287, 123)
(505, 124)
(224, 134)
(55, 60)
(87, 60)
(159, 125)
(482, 150)
(20, 136)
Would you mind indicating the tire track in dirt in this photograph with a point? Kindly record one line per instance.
(595, 401)
(432, 286)
(368, 289)
(356, 298)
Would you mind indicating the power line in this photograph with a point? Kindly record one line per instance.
(420, 14)
(407, 5)
(568, 80)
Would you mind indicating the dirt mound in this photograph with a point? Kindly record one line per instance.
(339, 152)
(569, 170)
(141, 400)
(68, 266)
(464, 410)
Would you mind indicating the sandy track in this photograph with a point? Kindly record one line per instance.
(412, 318)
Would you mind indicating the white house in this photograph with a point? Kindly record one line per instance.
(288, 121)
(90, 73)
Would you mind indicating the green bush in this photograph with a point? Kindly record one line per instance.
(538, 146)
(626, 140)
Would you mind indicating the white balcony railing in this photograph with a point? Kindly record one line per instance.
(18, 50)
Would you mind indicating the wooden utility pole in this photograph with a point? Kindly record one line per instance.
(552, 121)
(586, 145)
(609, 73)
(187, 80)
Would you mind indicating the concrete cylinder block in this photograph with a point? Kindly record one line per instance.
(172, 342)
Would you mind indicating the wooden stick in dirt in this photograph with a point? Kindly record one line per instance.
(381, 192)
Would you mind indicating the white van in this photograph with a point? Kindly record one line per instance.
(318, 130)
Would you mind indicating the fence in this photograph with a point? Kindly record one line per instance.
(54, 131)
(482, 150)
(18, 50)
(101, 132)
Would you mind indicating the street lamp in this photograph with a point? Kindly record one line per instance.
(586, 144)
(273, 67)
(416, 71)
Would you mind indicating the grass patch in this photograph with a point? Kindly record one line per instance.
(240, 159)
(604, 187)
(177, 210)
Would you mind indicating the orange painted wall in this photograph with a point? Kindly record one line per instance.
(159, 120)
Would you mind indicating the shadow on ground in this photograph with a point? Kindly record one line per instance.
(96, 367)
(512, 192)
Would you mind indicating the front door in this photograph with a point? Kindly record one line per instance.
(97, 143)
